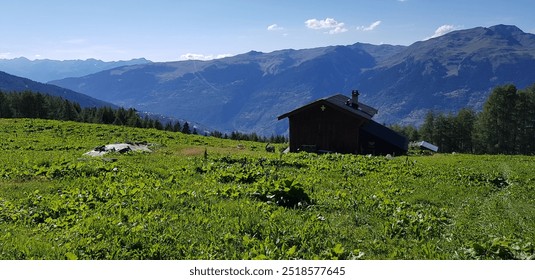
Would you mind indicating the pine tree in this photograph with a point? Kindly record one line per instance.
(69, 111)
(168, 126)
(5, 107)
(177, 127)
(185, 128)
(158, 125)
(464, 126)
(525, 121)
(428, 128)
(496, 126)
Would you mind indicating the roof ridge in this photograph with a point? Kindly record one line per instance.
(340, 101)
(369, 110)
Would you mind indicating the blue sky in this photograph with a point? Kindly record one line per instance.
(170, 30)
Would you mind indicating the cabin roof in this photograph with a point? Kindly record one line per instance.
(386, 134)
(340, 102)
(427, 145)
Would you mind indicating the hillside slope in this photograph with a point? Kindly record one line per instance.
(11, 83)
(450, 72)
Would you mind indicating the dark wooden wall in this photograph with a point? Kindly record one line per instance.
(328, 129)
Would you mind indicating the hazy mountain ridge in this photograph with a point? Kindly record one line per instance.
(11, 83)
(44, 70)
(248, 91)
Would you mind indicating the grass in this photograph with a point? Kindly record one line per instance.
(200, 197)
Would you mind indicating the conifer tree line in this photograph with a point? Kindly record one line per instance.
(506, 125)
(29, 104)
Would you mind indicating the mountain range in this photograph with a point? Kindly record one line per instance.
(44, 70)
(450, 72)
(244, 93)
(247, 92)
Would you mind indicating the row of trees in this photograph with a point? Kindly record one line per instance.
(236, 135)
(506, 125)
(28, 104)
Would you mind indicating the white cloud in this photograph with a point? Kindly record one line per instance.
(223, 55)
(369, 27)
(331, 24)
(446, 28)
(194, 56)
(338, 29)
(274, 27)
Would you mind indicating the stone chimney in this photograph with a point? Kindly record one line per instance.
(355, 99)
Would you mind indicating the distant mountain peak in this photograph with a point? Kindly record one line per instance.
(496, 30)
(253, 52)
(502, 28)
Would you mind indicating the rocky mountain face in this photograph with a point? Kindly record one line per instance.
(247, 92)
(44, 70)
(450, 72)
(11, 83)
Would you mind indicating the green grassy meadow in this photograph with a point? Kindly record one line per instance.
(199, 197)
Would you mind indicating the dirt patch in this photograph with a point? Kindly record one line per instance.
(193, 151)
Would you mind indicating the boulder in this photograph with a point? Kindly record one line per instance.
(119, 148)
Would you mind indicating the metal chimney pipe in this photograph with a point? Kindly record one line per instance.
(355, 98)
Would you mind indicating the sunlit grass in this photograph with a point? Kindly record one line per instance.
(197, 197)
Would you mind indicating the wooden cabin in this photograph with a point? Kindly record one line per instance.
(342, 125)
